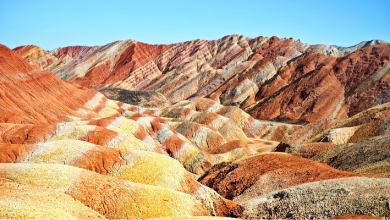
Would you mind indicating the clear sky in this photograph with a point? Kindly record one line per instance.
(53, 23)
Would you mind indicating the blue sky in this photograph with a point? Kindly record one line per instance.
(52, 24)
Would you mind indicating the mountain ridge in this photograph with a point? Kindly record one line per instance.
(235, 70)
(189, 143)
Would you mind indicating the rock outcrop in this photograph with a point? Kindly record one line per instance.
(370, 156)
(132, 165)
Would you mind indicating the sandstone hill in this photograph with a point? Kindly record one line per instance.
(231, 128)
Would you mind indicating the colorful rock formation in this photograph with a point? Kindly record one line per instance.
(358, 144)
(19, 201)
(36, 56)
(123, 164)
(271, 78)
(108, 196)
(130, 130)
(259, 175)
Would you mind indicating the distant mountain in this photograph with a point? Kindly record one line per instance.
(272, 78)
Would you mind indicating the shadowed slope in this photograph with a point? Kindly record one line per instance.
(147, 99)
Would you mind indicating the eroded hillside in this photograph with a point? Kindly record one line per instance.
(184, 131)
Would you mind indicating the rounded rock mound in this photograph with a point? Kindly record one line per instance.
(259, 175)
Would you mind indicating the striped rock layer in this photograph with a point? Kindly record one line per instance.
(270, 78)
(38, 57)
(23, 201)
(91, 117)
(111, 197)
(89, 149)
(132, 165)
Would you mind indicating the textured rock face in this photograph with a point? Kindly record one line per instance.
(255, 176)
(74, 52)
(37, 90)
(305, 134)
(148, 99)
(323, 199)
(192, 110)
(316, 85)
(358, 144)
(312, 149)
(370, 156)
(112, 63)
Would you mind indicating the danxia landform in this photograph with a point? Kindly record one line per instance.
(250, 128)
